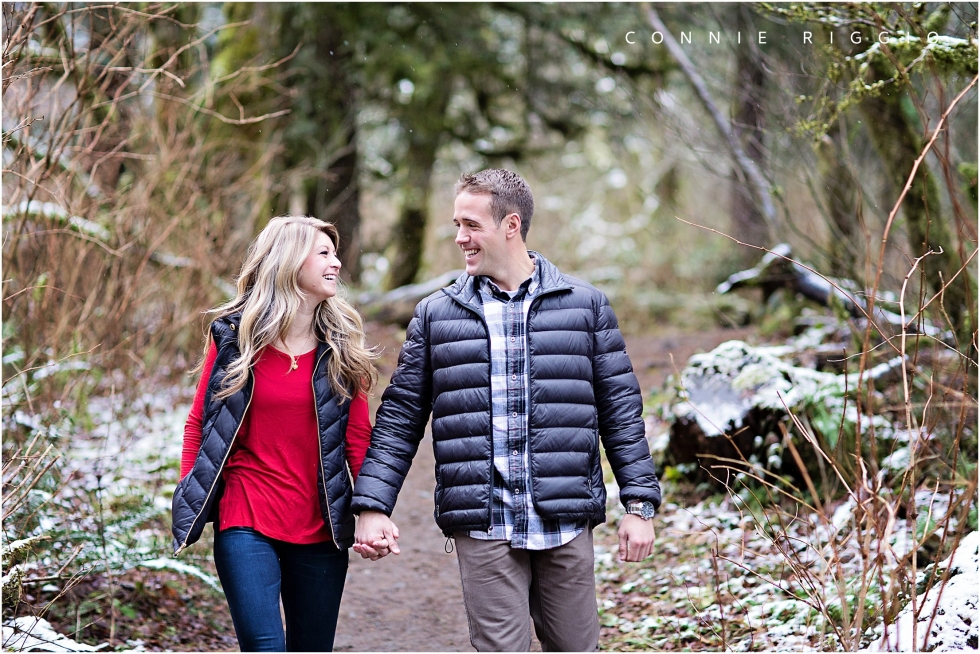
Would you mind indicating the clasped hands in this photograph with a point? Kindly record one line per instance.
(375, 536)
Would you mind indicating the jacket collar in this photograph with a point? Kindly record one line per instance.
(228, 326)
(466, 288)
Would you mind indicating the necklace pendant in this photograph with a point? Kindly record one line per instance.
(294, 365)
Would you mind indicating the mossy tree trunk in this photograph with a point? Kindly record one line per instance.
(336, 193)
(895, 136)
(408, 237)
(407, 243)
(843, 201)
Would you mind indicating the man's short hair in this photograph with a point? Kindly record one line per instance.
(508, 192)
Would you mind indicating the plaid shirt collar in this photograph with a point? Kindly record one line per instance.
(527, 289)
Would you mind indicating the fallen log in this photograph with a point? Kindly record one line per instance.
(398, 305)
(777, 270)
(728, 404)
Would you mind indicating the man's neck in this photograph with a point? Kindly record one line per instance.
(511, 278)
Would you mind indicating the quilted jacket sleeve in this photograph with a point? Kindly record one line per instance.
(400, 424)
(620, 408)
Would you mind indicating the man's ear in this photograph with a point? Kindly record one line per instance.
(513, 224)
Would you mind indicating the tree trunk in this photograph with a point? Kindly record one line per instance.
(408, 238)
(424, 119)
(894, 136)
(748, 123)
(335, 195)
(338, 200)
(843, 203)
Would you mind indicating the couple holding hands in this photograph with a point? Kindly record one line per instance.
(523, 371)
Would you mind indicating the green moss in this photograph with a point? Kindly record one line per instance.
(968, 171)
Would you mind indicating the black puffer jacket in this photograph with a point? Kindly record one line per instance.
(581, 388)
(196, 496)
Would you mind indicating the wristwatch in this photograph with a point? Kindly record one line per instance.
(643, 509)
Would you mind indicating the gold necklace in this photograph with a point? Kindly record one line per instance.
(293, 360)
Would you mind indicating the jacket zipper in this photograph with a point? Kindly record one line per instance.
(319, 447)
(217, 477)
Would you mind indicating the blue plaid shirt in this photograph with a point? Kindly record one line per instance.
(512, 515)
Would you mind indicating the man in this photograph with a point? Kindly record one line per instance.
(523, 370)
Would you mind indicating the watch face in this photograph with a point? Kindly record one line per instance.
(643, 509)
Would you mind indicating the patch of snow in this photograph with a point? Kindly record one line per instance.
(56, 211)
(721, 386)
(946, 617)
(898, 460)
(28, 634)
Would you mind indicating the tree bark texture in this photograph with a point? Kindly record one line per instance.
(894, 136)
(843, 201)
(425, 117)
(408, 238)
(748, 125)
(334, 194)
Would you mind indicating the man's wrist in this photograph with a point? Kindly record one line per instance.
(369, 511)
(644, 510)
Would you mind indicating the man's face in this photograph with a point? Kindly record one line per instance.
(484, 243)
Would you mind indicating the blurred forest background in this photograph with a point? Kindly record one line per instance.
(144, 145)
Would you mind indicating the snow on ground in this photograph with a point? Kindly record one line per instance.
(127, 454)
(30, 634)
(946, 618)
(768, 586)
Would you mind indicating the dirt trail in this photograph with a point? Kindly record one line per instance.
(413, 601)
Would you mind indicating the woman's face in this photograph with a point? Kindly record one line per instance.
(318, 274)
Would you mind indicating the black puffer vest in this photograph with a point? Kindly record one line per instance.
(581, 389)
(196, 496)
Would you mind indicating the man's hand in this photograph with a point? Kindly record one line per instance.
(375, 536)
(636, 537)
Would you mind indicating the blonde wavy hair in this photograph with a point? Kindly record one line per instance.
(269, 297)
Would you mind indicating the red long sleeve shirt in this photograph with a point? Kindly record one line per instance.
(271, 474)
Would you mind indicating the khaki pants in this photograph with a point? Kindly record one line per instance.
(503, 586)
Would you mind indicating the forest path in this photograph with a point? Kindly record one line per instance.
(412, 601)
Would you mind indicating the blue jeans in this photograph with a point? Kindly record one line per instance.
(254, 572)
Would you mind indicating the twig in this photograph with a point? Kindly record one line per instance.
(224, 119)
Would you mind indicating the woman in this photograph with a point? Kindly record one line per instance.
(278, 428)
